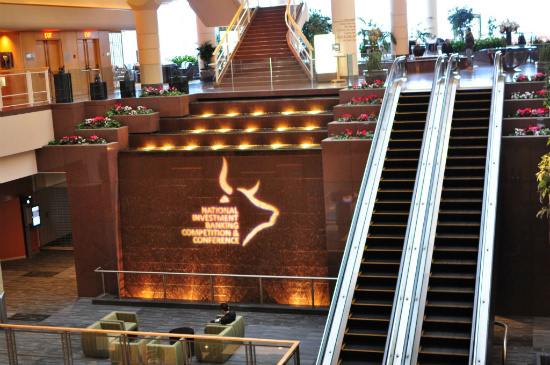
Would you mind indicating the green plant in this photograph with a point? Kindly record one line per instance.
(490, 42)
(374, 38)
(544, 52)
(374, 61)
(460, 19)
(191, 59)
(317, 24)
(491, 25)
(98, 123)
(151, 91)
(206, 53)
(421, 35)
(178, 60)
(458, 46)
(543, 187)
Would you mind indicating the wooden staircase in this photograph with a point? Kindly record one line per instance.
(264, 51)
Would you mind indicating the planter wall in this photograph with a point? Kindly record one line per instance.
(512, 105)
(522, 87)
(98, 108)
(140, 123)
(344, 164)
(167, 106)
(337, 128)
(355, 110)
(92, 184)
(347, 94)
(119, 135)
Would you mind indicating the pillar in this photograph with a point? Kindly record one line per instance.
(398, 9)
(145, 13)
(343, 27)
(431, 17)
(204, 34)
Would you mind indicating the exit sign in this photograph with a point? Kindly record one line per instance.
(87, 34)
(48, 35)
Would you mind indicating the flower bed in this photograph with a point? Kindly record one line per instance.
(367, 100)
(528, 78)
(355, 110)
(541, 94)
(167, 106)
(530, 113)
(72, 140)
(98, 123)
(151, 91)
(119, 135)
(531, 131)
(372, 117)
(347, 94)
(118, 109)
(359, 134)
(141, 123)
(376, 84)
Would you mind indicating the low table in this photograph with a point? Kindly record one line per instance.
(512, 57)
(184, 331)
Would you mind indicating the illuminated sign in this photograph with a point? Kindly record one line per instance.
(87, 34)
(48, 35)
(222, 222)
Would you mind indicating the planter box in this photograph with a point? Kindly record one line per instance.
(167, 106)
(337, 128)
(522, 87)
(98, 108)
(347, 94)
(512, 105)
(355, 110)
(140, 123)
(119, 135)
(509, 124)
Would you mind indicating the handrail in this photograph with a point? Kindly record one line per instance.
(480, 320)
(15, 350)
(504, 341)
(362, 213)
(224, 52)
(30, 92)
(403, 309)
(312, 279)
(298, 41)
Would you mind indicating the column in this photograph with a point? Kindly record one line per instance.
(204, 34)
(431, 17)
(399, 27)
(145, 13)
(343, 27)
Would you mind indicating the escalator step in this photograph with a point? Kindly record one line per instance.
(453, 275)
(447, 334)
(452, 351)
(372, 302)
(451, 289)
(370, 317)
(458, 235)
(449, 304)
(454, 262)
(459, 224)
(366, 332)
(448, 319)
(362, 348)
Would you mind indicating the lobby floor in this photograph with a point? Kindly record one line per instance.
(42, 291)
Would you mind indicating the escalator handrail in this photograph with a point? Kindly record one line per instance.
(396, 75)
(402, 306)
(480, 320)
(504, 341)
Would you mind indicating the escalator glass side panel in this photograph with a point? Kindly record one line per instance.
(447, 324)
(371, 308)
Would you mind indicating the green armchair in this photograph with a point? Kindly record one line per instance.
(160, 351)
(219, 351)
(97, 344)
(136, 351)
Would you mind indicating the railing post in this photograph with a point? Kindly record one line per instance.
(48, 91)
(212, 288)
(2, 80)
(216, 68)
(102, 279)
(312, 294)
(118, 284)
(30, 92)
(164, 285)
(261, 292)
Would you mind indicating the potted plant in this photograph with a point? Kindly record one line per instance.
(375, 41)
(421, 40)
(206, 53)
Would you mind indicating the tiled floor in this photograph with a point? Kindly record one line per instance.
(51, 300)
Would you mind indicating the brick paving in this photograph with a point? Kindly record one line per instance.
(47, 299)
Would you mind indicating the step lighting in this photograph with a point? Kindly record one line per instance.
(276, 145)
(310, 128)
(166, 148)
(281, 129)
(244, 146)
(232, 114)
(149, 148)
(258, 113)
(198, 131)
(288, 112)
(250, 130)
(206, 115)
(224, 130)
(315, 112)
(305, 145)
(190, 148)
(217, 147)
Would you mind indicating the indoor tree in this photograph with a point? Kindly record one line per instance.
(460, 19)
(317, 24)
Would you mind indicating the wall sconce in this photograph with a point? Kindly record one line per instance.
(2, 81)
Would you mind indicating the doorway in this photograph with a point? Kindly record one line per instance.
(48, 54)
(88, 62)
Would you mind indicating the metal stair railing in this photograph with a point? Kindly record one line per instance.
(329, 349)
(226, 47)
(296, 39)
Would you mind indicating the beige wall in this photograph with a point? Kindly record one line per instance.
(25, 132)
(17, 166)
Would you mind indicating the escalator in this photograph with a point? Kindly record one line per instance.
(451, 292)
(368, 322)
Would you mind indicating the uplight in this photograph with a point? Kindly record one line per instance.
(224, 130)
(217, 147)
(232, 114)
(309, 128)
(166, 148)
(281, 129)
(287, 112)
(207, 115)
(305, 145)
(198, 131)
(149, 148)
(250, 130)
